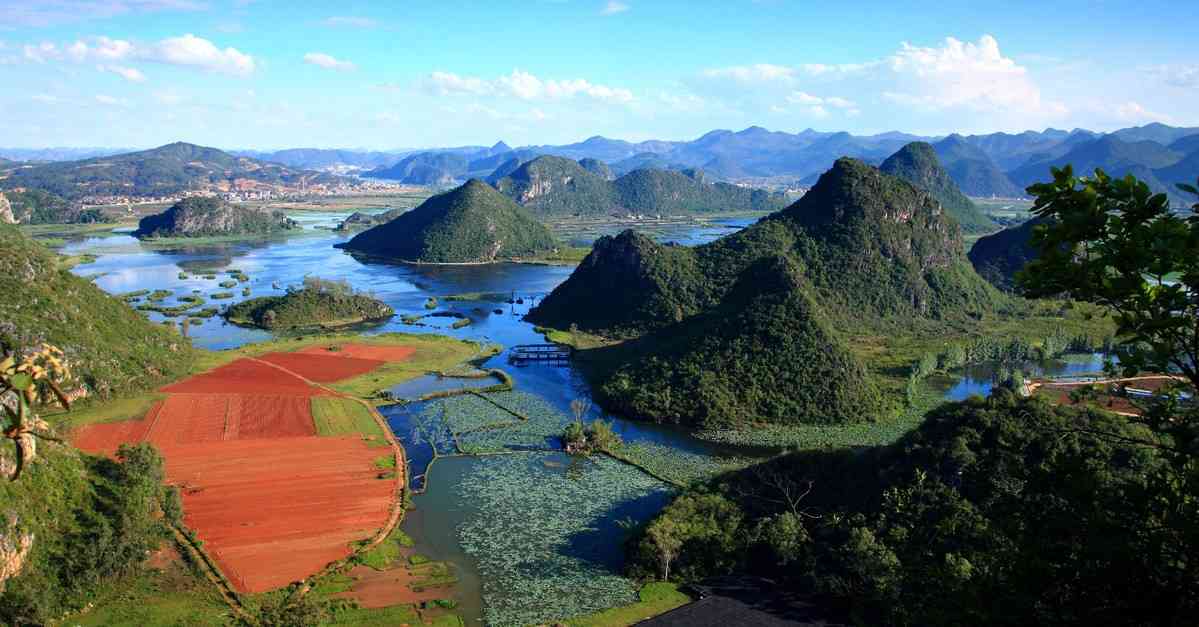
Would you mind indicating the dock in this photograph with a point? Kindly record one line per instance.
(524, 353)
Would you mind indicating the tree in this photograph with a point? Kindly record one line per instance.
(665, 537)
(1115, 243)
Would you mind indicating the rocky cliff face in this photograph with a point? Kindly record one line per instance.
(208, 217)
(6, 216)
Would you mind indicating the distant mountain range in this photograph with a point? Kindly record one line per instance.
(998, 164)
(559, 186)
(164, 171)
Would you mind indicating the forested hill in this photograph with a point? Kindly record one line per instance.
(208, 217)
(473, 223)
(874, 244)
(917, 164)
(862, 250)
(164, 171)
(557, 186)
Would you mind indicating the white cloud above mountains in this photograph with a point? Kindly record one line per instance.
(525, 86)
(952, 78)
(187, 51)
(328, 62)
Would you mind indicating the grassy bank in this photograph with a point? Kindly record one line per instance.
(653, 599)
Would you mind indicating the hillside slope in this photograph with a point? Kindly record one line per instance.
(112, 348)
(862, 250)
(975, 173)
(917, 164)
(999, 256)
(473, 223)
(163, 171)
(557, 186)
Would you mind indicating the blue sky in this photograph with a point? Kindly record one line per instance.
(263, 74)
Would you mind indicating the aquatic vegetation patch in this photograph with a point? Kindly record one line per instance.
(559, 562)
(538, 424)
(678, 465)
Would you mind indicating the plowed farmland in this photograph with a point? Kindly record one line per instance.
(272, 501)
(364, 351)
(323, 367)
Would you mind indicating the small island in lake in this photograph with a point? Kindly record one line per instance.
(212, 217)
(319, 303)
(473, 223)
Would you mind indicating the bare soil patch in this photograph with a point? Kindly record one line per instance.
(272, 502)
(275, 511)
(323, 367)
(244, 376)
(105, 438)
(384, 588)
(364, 351)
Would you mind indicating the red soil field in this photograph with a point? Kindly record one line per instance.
(103, 439)
(275, 511)
(365, 351)
(272, 502)
(244, 376)
(323, 367)
(258, 416)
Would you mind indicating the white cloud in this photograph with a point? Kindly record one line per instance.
(975, 76)
(350, 21)
(186, 51)
(1136, 113)
(758, 73)
(817, 106)
(45, 98)
(799, 97)
(525, 86)
(613, 7)
(963, 78)
(40, 53)
(132, 75)
(196, 52)
(328, 62)
(450, 83)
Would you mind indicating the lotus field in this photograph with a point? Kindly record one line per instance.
(543, 531)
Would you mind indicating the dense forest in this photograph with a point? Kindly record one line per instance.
(317, 303)
(1005, 510)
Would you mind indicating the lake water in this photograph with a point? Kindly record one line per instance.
(124, 265)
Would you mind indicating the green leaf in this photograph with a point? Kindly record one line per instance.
(21, 381)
